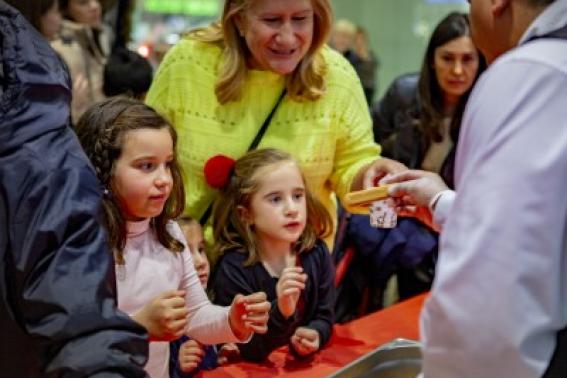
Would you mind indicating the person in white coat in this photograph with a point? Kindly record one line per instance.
(498, 307)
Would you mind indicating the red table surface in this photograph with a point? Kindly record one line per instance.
(349, 341)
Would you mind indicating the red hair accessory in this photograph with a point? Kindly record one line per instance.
(218, 170)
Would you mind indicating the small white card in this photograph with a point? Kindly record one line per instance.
(383, 214)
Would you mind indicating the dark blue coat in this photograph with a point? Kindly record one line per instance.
(58, 313)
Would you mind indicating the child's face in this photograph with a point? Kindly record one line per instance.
(142, 178)
(196, 242)
(278, 209)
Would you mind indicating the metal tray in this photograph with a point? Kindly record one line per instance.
(399, 358)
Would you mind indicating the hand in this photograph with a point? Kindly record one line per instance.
(370, 175)
(228, 352)
(415, 187)
(414, 191)
(191, 354)
(249, 314)
(305, 341)
(165, 317)
(288, 289)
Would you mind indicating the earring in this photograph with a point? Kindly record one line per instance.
(106, 193)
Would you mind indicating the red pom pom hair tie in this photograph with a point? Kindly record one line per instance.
(218, 170)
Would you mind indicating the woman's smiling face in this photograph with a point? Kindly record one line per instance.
(278, 33)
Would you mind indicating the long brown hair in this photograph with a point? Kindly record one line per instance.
(32, 10)
(307, 82)
(101, 132)
(453, 26)
(231, 232)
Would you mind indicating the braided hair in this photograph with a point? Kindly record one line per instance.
(101, 132)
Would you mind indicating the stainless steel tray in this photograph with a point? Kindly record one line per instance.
(399, 358)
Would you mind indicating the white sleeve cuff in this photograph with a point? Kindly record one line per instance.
(441, 205)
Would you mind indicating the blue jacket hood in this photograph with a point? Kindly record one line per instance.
(34, 83)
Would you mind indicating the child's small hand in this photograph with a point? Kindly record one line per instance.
(165, 317)
(191, 354)
(305, 341)
(249, 314)
(228, 352)
(288, 289)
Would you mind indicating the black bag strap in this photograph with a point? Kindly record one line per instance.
(266, 123)
(207, 214)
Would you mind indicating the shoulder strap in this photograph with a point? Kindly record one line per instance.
(206, 215)
(266, 123)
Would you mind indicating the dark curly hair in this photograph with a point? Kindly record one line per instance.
(101, 132)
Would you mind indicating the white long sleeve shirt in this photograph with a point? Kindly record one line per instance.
(149, 270)
(500, 292)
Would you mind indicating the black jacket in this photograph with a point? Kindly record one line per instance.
(397, 110)
(395, 121)
(58, 313)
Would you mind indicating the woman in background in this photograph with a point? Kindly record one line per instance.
(417, 123)
(368, 64)
(84, 45)
(418, 119)
(45, 16)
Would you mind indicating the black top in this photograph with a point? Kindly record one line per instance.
(395, 121)
(314, 310)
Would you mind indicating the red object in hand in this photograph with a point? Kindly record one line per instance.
(218, 170)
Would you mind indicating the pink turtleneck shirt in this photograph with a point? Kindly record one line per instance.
(149, 270)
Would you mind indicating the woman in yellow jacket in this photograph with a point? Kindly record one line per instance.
(218, 85)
